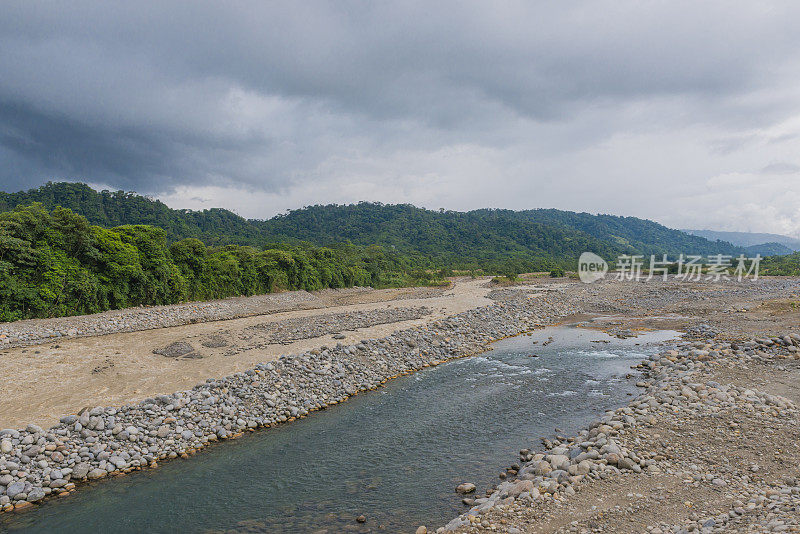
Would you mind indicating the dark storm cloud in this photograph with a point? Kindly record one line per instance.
(153, 95)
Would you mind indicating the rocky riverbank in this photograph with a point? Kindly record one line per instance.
(718, 456)
(38, 331)
(701, 427)
(103, 441)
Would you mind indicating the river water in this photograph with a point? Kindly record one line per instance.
(394, 455)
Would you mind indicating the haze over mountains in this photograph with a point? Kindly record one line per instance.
(764, 244)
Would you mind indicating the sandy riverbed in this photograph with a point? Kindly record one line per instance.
(42, 382)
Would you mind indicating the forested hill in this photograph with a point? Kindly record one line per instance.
(118, 208)
(488, 231)
(485, 238)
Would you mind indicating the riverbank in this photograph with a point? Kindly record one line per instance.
(699, 450)
(40, 383)
(32, 332)
(102, 441)
(708, 446)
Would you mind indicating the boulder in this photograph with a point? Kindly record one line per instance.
(466, 487)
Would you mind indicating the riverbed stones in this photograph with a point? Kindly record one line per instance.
(215, 342)
(96, 473)
(177, 349)
(15, 489)
(81, 470)
(25, 333)
(35, 495)
(610, 447)
(100, 441)
(466, 487)
(295, 385)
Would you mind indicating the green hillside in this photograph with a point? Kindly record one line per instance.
(768, 249)
(488, 234)
(117, 208)
(487, 238)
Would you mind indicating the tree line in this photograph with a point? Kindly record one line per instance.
(55, 263)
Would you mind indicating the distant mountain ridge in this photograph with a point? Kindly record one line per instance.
(751, 239)
(768, 249)
(484, 238)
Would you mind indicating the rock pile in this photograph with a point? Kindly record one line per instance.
(290, 330)
(179, 349)
(671, 389)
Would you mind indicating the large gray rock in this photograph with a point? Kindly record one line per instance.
(466, 487)
(96, 473)
(81, 470)
(35, 495)
(625, 463)
(15, 488)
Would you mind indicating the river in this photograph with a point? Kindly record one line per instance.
(394, 455)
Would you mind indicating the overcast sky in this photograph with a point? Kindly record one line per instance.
(687, 113)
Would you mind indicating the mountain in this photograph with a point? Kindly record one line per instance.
(488, 234)
(748, 239)
(492, 239)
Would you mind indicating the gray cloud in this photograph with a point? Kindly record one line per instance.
(424, 102)
(781, 167)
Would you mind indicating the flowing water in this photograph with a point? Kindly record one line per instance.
(394, 454)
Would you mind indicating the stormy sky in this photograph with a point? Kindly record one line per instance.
(687, 113)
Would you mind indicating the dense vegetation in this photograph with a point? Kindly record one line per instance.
(118, 208)
(55, 263)
(534, 239)
(493, 240)
(67, 249)
(786, 265)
